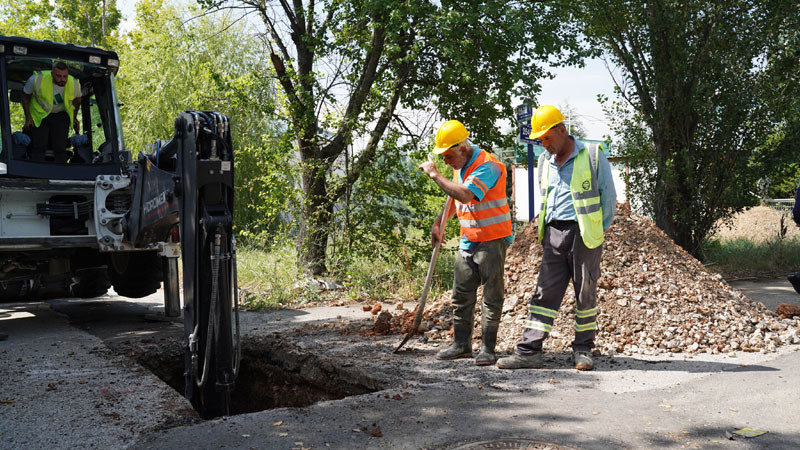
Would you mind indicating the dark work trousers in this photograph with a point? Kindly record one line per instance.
(565, 257)
(483, 266)
(49, 139)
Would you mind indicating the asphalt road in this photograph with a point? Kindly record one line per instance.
(67, 382)
(769, 292)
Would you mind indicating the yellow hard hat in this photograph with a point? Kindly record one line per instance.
(544, 118)
(450, 133)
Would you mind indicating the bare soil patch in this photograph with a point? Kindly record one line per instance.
(757, 224)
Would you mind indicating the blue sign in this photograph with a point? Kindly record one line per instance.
(524, 113)
(525, 132)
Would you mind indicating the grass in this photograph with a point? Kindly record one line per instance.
(271, 279)
(741, 257)
(267, 279)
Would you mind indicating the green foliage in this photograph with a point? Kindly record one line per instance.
(743, 257)
(700, 115)
(211, 63)
(346, 67)
(267, 278)
(84, 22)
(390, 210)
(383, 277)
(783, 181)
(272, 278)
(266, 195)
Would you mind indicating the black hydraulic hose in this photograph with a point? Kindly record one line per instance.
(212, 310)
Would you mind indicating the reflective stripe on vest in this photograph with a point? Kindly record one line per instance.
(490, 218)
(43, 96)
(585, 196)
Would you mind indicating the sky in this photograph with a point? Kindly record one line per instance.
(577, 87)
(128, 10)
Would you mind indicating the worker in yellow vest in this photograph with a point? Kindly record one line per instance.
(51, 101)
(578, 205)
(479, 190)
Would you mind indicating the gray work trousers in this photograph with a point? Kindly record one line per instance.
(565, 257)
(483, 266)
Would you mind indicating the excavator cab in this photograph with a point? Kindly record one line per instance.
(96, 148)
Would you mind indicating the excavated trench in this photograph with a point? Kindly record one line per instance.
(272, 374)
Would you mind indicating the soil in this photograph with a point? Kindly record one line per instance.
(757, 224)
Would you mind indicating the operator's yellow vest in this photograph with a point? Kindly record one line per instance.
(43, 96)
(585, 196)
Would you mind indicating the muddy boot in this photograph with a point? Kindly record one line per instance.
(462, 343)
(517, 361)
(582, 360)
(487, 356)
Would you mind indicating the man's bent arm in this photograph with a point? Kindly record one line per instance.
(455, 190)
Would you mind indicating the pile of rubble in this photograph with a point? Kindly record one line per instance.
(653, 297)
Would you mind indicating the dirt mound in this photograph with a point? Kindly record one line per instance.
(757, 224)
(653, 297)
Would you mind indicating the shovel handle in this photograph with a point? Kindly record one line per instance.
(429, 277)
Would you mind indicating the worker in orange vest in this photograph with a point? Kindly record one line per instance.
(479, 190)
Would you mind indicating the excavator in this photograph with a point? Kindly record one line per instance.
(85, 216)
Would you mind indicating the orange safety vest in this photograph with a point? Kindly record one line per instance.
(490, 218)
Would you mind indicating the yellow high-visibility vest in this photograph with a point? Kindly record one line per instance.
(585, 196)
(43, 96)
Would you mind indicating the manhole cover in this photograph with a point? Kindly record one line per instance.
(511, 443)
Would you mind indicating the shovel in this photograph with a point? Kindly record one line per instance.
(426, 288)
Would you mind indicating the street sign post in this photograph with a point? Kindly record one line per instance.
(524, 113)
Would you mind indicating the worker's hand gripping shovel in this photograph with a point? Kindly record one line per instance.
(426, 288)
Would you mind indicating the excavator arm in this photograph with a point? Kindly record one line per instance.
(189, 180)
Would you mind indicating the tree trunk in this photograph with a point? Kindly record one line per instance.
(104, 18)
(315, 225)
(675, 191)
(88, 23)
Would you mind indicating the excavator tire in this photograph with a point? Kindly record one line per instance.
(91, 283)
(135, 274)
(11, 291)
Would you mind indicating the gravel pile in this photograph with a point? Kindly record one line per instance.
(653, 298)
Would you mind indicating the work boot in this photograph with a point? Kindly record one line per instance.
(462, 343)
(487, 356)
(532, 361)
(582, 360)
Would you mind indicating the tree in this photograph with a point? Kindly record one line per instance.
(700, 99)
(90, 22)
(574, 123)
(83, 22)
(346, 67)
(212, 63)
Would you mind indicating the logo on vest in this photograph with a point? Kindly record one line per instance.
(586, 185)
